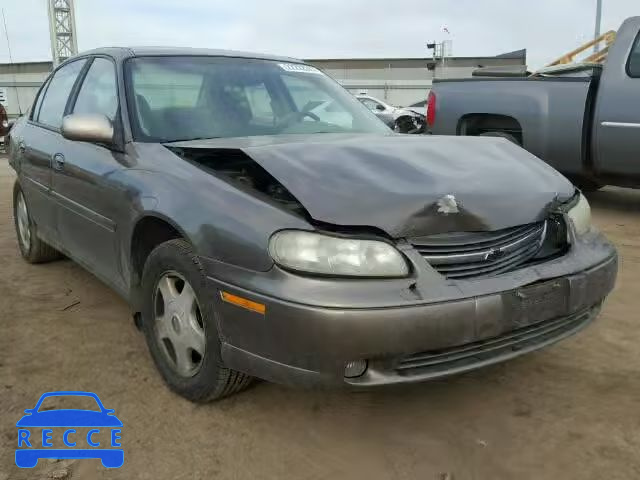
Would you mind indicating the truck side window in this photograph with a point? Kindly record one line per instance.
(633, 67)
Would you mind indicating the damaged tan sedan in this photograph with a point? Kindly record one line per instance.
(263, 223)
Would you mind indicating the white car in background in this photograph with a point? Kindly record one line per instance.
(419, 107)
(401, 120)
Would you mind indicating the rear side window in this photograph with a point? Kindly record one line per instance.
(633, 67)
(36, 106)
(98, 93)
(57, 94)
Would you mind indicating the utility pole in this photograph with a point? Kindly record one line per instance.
(596, 33)
(62, 27)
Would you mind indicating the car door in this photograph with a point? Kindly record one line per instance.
(617, 118)
(85, 179)
(36, 142)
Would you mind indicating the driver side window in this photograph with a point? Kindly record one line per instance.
(98, 93)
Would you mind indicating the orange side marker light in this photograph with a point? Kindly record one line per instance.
(243, 302)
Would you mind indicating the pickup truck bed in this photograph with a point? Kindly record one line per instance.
(584, 120)
(551, 137)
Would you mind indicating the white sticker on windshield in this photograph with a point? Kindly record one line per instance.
(299, 67)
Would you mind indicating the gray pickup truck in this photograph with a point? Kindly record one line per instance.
(583, 119)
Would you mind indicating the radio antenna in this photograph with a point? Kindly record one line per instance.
(6, 33)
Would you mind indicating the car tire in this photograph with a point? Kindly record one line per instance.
(505, 135)
(32, 248)
(172, 263)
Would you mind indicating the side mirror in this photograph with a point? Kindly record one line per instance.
(380, 108)
(87, 127)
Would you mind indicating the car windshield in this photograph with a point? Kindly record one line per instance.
(65, 402)
(418, 104)
(184, 98)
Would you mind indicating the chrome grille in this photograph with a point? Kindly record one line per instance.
(478, 254)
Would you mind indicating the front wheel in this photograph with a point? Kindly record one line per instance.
(179, 323)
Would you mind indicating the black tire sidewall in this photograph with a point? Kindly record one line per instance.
(177, 256)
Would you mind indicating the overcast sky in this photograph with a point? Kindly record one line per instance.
(321, 28)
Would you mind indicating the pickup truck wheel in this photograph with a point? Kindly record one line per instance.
(179, 323)
(505, 135)
(32, 248)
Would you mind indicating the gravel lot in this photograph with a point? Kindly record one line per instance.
(569, 412)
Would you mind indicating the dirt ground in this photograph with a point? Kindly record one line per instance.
(568, 412)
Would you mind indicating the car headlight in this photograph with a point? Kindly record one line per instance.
(323, 254)
(580, 215)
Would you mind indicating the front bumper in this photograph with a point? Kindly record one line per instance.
(422, 338)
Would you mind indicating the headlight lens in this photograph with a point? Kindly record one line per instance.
(317, 253)
(580, 215)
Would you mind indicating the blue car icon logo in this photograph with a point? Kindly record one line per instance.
(32, 447)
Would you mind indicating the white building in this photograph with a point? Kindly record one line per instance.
(404, 81)
(19, 84)
(398, 81)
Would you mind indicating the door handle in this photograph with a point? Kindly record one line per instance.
(22, 147)
(58, 161)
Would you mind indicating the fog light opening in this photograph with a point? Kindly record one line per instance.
(355, 368)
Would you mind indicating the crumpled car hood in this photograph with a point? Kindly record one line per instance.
(407, 185)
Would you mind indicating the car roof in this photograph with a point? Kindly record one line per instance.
(122, 53)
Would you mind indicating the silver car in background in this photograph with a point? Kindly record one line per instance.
(401, 120)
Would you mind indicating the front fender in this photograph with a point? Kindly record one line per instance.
(220, 221)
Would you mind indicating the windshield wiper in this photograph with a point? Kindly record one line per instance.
(189, 139)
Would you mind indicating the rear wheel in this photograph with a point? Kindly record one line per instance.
(179, 324)
(32, 248)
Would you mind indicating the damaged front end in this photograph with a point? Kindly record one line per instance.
(412, 262)
(237, 168)
(467, 219)
(395, 184)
